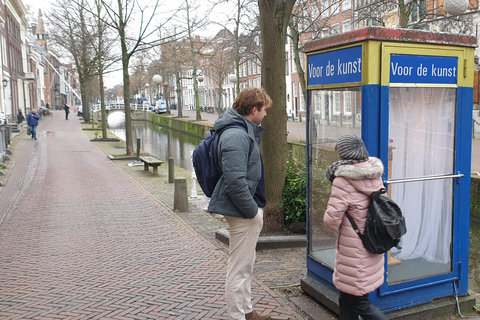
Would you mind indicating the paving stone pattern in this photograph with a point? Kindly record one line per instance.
(82, 239)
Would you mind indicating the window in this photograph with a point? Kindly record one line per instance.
(346, 26)
(324, 8)
(335, 7)
(315, 12)
(335, 29)
(336, 102)
(302, 97)
(302, 59)
(325, 32)
(347, 102)
(287, 60)
(346, 5)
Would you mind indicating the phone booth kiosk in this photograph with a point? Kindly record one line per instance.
(409, 95)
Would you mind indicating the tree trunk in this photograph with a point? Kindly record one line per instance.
(274, 17)
(128, 111)
(179, 95)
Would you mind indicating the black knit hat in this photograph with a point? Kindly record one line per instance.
(351, 147)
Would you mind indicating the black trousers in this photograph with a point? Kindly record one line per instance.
(353, 306)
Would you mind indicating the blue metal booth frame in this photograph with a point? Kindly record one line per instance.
(409, 94)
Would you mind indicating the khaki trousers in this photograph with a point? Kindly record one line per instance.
(244, 235)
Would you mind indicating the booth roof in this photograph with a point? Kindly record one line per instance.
(386, 34)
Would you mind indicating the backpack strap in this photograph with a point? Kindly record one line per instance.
(354, 225)
(235, 126)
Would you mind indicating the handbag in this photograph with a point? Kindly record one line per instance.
(29, 130)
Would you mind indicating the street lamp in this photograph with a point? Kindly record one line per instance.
(456, 7)
(147, 85)
(157, 79)
(5, 82)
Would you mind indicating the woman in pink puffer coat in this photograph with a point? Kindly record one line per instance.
(357, 271)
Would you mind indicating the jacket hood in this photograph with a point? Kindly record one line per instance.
(232, 117)
(364, 175)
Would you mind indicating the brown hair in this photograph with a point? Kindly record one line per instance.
(249, 98)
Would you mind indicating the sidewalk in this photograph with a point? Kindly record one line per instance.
(83, 237)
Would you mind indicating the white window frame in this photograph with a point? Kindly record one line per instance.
(347, 102)
(336, 102)
(348, 23)
(335, 29)
(346, 5)
(325, 9)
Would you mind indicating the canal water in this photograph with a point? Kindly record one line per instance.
(164, 143)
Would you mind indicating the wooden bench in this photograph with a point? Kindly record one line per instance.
(151, 161)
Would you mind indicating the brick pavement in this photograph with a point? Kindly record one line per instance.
(83, 237)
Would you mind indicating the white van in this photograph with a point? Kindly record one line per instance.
(160, 106)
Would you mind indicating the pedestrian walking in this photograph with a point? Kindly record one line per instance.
(20, 116)
(240, 195)
(32, 121)
(67, 111)
(357, 271)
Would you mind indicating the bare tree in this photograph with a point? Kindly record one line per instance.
(194, 23)
(218, 63)
(71, 29)
(413, 14)
(120, 15)
(305, 23)
(175, 57)
(274, 18)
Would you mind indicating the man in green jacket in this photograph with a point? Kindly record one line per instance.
(240, 195)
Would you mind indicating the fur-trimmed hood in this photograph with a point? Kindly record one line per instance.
(359, 171)
(364, 175)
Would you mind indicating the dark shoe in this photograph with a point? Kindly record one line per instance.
(255, 316)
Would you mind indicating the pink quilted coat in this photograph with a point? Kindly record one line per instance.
(357, 271)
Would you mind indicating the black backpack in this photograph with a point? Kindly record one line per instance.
(385, 224)
(205, 160)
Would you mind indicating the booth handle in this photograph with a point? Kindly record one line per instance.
(434, 177)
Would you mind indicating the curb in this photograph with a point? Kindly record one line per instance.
(267, 242)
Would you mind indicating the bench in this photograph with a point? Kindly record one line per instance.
(151, 161)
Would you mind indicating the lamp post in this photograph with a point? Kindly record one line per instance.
(200, 80)
(165, 94)
(147, 85)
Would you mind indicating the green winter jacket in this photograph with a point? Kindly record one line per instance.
(242, 169)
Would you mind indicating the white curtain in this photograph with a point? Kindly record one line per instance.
(421, 133)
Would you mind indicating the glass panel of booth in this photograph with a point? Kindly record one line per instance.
(333, 113)
(421, 135)
(421, 143)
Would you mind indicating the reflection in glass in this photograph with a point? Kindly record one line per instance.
(421, 143)
(333, 113)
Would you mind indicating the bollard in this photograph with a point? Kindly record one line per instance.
(171, 170)
(180, 197)
(138, 149)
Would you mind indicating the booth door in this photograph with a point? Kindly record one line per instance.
(421, 173)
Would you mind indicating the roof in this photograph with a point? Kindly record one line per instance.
(386, 34)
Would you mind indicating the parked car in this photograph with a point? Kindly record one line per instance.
(160, 107)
